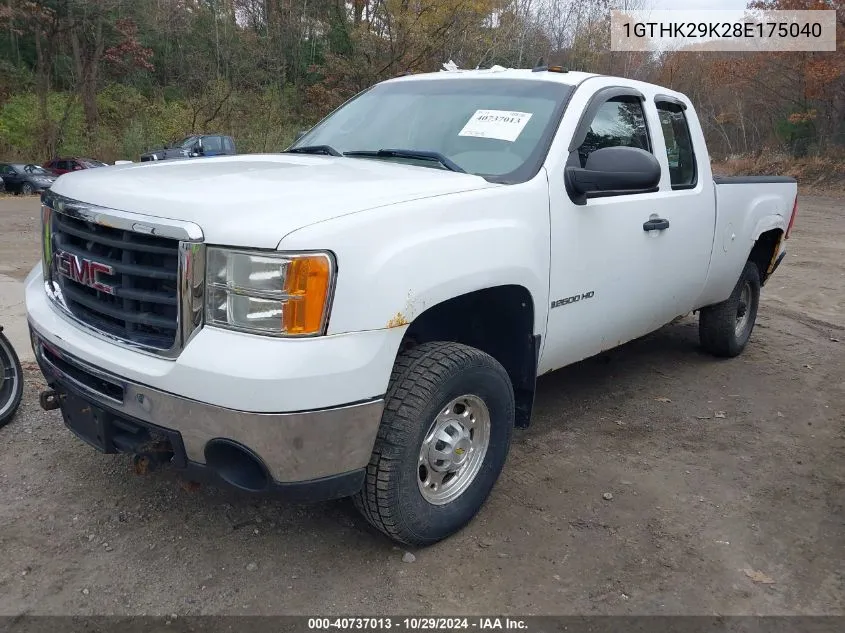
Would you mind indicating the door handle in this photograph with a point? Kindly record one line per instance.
(656, 224)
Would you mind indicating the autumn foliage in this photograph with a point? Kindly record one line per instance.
(112, 77)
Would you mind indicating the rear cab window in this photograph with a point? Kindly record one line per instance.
(683, 172)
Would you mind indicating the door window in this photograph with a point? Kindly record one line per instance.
(212, 144)
(679, 151)
(619, 122)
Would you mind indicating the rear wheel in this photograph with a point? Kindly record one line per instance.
(442, 443)
(724, 329)
(11, 381)
(26, 189)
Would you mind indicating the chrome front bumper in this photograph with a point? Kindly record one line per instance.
(295, 447)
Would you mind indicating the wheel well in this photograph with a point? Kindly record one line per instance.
(764, 251)
(498, 321)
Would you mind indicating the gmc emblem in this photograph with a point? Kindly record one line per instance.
(84, 271)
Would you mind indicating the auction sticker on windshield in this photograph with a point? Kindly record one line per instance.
(497, 124)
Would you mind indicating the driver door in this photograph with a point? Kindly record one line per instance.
(604, 291)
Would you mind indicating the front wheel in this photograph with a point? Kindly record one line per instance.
(442, 443)
(26, 189)
(11, 381)
(725, 328)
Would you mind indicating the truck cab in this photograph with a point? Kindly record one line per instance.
(194, 146)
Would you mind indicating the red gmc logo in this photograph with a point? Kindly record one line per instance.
(84, 271)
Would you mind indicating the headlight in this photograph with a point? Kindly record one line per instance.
(276, 294)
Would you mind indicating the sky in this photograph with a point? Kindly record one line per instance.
(699, 4)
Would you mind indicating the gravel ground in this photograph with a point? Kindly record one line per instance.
(654, 480)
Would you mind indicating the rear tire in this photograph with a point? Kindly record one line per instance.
(442, 443)
(26, 189)
(724, 329)
(11, 381)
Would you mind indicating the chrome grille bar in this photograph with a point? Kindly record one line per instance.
(135, 280)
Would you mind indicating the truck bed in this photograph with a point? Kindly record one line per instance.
(746, 207)
(748, 180)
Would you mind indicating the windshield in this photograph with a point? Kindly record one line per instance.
(37, 171)
(496, 128)
(90, 162)
(188, 141)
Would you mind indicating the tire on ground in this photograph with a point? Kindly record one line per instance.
(11, 381)
(424, 381)
(721, 328)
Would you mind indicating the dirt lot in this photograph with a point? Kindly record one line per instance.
(728, 484)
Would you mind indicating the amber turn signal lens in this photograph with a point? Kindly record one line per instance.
(307, 284)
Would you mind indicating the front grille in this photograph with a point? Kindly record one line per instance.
(118, 281)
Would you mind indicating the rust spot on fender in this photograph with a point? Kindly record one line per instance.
(397, 321)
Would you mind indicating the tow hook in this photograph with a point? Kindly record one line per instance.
(49, 400)
(151, 457)
(145, 463)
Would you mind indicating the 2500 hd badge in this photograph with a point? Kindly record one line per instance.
(573, 299)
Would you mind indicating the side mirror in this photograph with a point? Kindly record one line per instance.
(613, 171)
(299, 135)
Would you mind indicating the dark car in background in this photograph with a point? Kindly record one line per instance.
(26, 178)
(194, 146)
(64, 165)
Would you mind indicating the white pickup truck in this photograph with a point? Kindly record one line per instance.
(367, 313)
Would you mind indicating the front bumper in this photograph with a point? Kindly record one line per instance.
(311, 455)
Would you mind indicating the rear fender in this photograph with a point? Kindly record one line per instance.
(768, 223)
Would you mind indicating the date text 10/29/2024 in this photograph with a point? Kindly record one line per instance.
(417, 624)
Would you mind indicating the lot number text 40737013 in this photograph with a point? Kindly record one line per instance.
(416, 624)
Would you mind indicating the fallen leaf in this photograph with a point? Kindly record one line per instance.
(759, 577)
(719, 414)
(190, 486)
(702, 417)
(834, 339)
(663, 399)
(808, 366)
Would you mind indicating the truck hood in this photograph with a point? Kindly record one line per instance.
(254, 200)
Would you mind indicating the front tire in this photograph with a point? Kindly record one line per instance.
(11, 381)
(442, 443)
(26, 189)
(724, 329)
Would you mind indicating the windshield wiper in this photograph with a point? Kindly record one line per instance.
(417, 154)
(315, 149)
